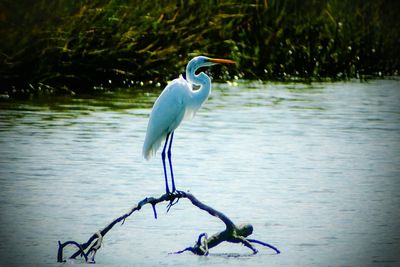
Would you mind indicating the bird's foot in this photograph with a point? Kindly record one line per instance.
(179, 193)
(175, 196)
(172, 202)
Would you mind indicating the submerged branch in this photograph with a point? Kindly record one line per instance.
(232, 233)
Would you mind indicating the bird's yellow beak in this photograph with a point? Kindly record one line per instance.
(221, 61)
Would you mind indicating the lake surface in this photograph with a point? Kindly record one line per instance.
(314, 168)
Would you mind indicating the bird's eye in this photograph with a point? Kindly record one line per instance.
(201, 69)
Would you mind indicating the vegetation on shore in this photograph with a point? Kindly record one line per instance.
(79, 46)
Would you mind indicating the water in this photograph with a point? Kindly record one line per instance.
(315, 169)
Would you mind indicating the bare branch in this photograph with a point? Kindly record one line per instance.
(232, 233)
(264, 244)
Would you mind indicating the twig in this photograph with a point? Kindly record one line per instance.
(264, 244)
(232, 233)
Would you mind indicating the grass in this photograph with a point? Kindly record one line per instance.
(69, 47)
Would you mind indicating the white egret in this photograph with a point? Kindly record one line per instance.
(177, 101)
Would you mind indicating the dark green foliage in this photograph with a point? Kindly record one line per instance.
(76, 46)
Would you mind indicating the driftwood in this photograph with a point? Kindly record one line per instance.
(232, 233)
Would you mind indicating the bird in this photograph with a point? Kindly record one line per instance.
(178, 101)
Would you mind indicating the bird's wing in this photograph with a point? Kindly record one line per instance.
(168, 112)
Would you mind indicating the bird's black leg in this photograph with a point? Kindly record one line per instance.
(163, 161)
(170, 162)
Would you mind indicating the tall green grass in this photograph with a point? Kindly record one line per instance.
(78, 46)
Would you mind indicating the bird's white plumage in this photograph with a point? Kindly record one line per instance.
(178, 101)
(168, 112)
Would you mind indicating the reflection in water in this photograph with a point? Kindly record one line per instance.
(313, 168)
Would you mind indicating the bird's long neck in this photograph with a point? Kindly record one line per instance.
(200, 95)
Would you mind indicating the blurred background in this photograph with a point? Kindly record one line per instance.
(74, 46)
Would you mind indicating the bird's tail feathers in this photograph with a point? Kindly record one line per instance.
(150, 148)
